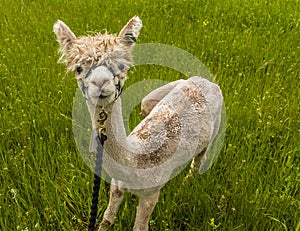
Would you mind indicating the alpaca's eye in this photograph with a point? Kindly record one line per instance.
(79, 70)
(121, 67)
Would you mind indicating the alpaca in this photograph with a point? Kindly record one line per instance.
(181, 118)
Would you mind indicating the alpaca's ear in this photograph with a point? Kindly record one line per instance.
(131, 30)
(64, 35)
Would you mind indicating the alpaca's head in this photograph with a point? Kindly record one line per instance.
(100, 62)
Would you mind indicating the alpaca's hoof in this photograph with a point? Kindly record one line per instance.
(140, 228)
(105, 224)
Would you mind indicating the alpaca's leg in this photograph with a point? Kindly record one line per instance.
(116, 198)
(144, 211)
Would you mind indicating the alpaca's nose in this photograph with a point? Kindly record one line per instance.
(100, 82)
(101, 76)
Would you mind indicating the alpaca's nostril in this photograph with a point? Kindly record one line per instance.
(99, 83)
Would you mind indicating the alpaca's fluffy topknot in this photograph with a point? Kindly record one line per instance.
(96, 49)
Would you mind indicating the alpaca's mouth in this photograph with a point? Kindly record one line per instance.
(104, 96)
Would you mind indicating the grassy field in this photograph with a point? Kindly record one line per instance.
(251, 47)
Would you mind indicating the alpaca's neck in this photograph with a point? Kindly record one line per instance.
(117, 142)
(117, 145)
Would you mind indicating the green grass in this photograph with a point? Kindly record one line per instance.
(252, 48)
